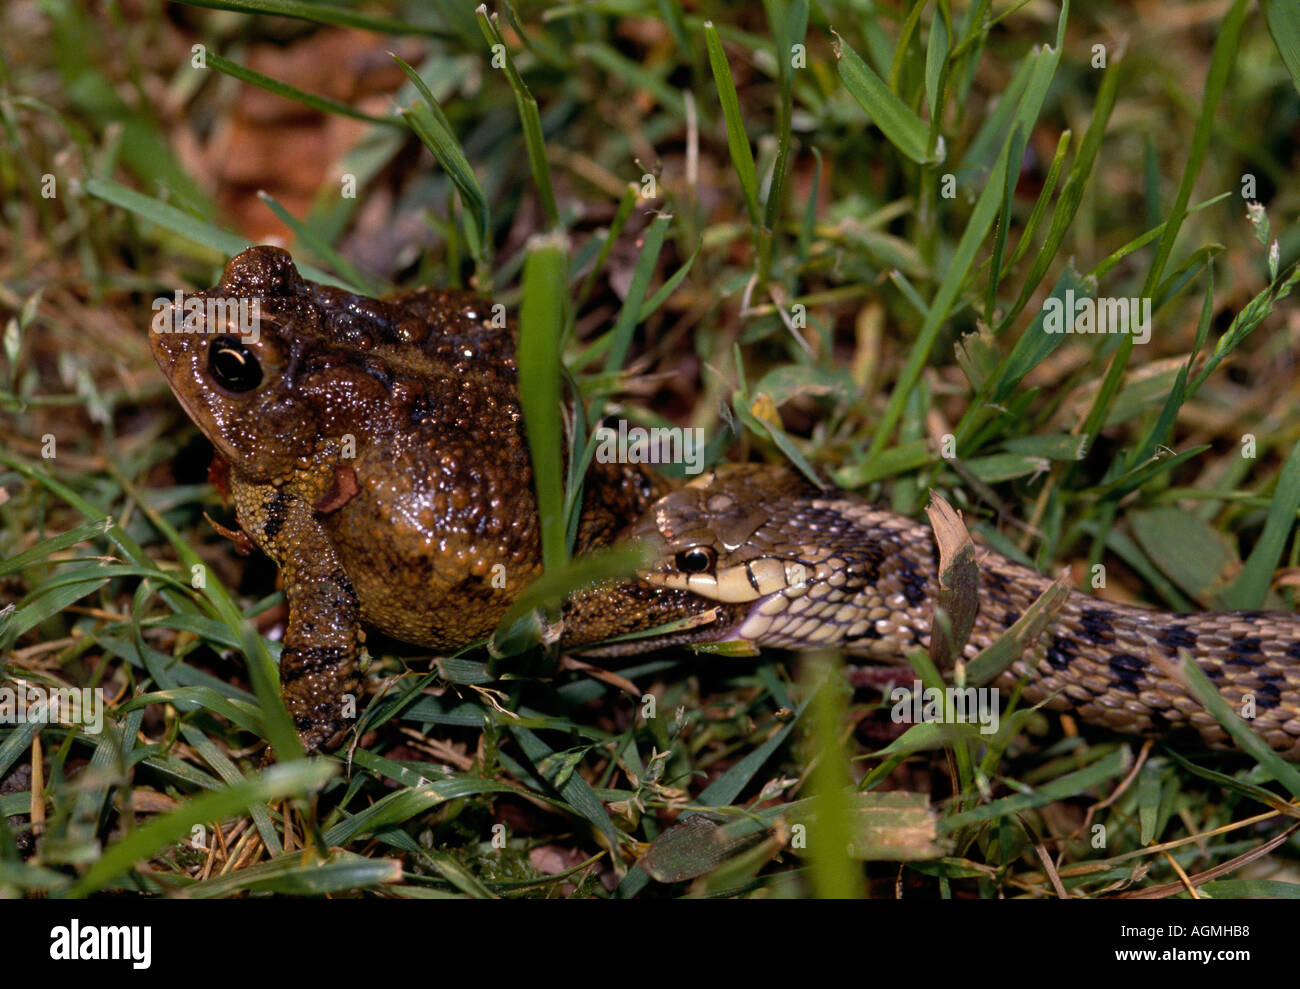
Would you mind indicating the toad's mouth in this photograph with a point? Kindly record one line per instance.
(196, 410)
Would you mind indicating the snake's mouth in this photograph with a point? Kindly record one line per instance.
(738, 584)
(751, 592)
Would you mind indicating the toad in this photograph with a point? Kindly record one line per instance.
(377, 453)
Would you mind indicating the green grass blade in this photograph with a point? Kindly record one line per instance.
(1283, 18)
(1044, 197)
(1221, 65)
(320, 13)
(986, 207)
(430, 124)
(1252, 584)
(46, 548)
(275, 783)
(534, 140)
(742, 157)
(541, 332)
(1200, 687)
(1114, 765)
(573, 788)
(356, 281)
(727, 787)
(630, 315)
(289, 875)
(322, 103)
(1067, 204)
(185, 225)
(834, 875)
(903, 128)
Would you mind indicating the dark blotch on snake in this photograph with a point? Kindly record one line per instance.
(1060, 653)
(1098, 625)
(1177, 637)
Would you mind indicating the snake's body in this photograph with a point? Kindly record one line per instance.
(791, 566)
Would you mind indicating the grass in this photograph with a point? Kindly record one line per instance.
(825, 233)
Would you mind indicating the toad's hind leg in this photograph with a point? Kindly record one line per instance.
(318, 664)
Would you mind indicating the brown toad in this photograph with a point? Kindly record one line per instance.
(377, 454)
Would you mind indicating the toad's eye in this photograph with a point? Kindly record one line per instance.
(697, 559)
(233, 366)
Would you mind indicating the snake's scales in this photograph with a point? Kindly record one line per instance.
(795, 567)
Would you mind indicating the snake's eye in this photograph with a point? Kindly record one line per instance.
(233, 366)
(697, 559)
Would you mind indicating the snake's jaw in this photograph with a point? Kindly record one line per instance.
(741, 583)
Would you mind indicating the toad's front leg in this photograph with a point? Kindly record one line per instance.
(318, 664)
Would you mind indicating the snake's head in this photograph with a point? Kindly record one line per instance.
(759, 555)
(787, 564)
(701, 540)
(714, 538)
(713, 562)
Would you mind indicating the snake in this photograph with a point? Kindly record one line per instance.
(760, 556)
